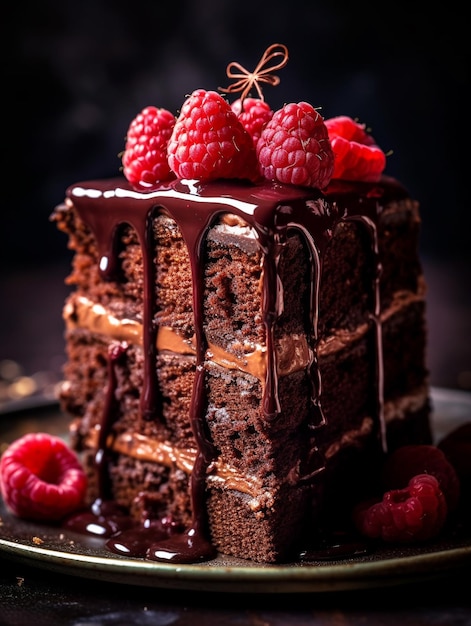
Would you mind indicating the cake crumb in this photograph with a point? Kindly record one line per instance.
(38, 541)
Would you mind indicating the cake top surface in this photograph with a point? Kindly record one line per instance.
(266, 206)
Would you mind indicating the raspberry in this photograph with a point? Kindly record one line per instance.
(208, 141)
(350, 130)
(145, 156)
(408, 461)
(294, 147)
(357, 157)
(253, 114)
(41, 479)
(416, 513)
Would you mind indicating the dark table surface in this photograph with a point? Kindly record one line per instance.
(31, 337)
(31, 598)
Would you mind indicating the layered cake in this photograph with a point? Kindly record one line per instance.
(246, 339)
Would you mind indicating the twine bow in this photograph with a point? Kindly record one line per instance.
(262, 74)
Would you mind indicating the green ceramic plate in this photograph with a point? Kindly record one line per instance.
(75, 555)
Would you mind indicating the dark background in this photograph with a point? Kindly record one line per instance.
(76, 73)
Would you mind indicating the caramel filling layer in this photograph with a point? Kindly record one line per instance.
(146, 449)
(293, 352)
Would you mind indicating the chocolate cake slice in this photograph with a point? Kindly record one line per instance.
(241, 356)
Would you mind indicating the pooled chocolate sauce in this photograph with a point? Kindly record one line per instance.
(272, 210)
(104, 519)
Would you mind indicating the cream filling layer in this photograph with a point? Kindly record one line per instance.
(293, 351)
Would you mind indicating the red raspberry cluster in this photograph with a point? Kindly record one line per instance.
(294, 147)
(209, 142)
(357, 157)
(41, 478)
(416, 513)
(422, 488)
(145, 154)
(253, 114)
(212, 139)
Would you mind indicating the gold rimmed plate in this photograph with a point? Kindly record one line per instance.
(61, 551)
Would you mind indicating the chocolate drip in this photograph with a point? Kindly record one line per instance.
(193, 544)
(115, 353)
(271, 405)
(149, 396)
(375, 321)
(318, 418)
(270, 209)
(105, 518)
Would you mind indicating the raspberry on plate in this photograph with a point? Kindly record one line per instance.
(208, 141)
(413, 514)
(145, 155)
(408, 461)
(294, 147)
(41, 479)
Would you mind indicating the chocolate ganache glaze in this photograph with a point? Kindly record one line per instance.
(271, 209)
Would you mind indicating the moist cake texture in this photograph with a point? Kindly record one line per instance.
(240, 356)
